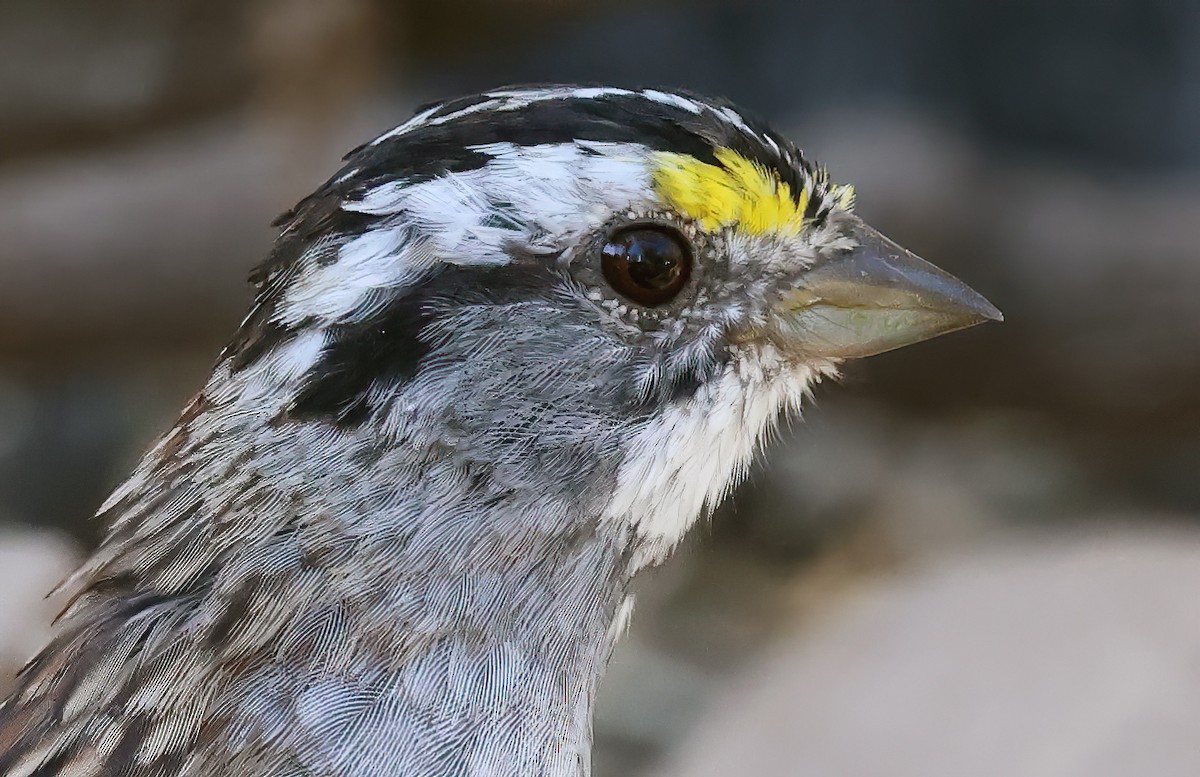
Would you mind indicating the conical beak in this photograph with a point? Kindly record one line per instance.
(873, 298)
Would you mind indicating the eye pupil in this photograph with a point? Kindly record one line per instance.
(654, 260)
(647, 264)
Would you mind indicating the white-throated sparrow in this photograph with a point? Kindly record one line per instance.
(496, 365)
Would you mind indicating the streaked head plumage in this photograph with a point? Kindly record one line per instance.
(401, 287)
(534, 179)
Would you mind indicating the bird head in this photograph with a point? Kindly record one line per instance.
(610, 292)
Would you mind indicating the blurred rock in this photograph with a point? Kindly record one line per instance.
(695, 621)
(31, 564)
(75, 73)
(1042, 656)
(657, 694)
(106, 245)
(152, 242)
(923, 485)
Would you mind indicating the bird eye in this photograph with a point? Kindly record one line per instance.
(649, 265)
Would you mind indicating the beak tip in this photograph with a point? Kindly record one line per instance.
(989, 312)
(984, 310)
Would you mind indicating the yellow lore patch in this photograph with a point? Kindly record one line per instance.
(738, 192)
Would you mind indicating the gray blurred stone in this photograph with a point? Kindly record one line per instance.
(153, 243)
(696, 621)
(656, 693)
(161, 235)
(921, 484)
(1042, 656)
(75, 73)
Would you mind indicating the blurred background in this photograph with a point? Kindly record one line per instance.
(979, 555)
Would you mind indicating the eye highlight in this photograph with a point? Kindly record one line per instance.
(647, 264)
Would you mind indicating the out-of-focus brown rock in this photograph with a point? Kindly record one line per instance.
(77, 74)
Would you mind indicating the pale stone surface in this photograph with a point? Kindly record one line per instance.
(31, 564)
(1044, 656)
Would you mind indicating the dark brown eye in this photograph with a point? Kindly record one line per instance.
(649, 265)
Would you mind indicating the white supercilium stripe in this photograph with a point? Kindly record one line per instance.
(543, 197)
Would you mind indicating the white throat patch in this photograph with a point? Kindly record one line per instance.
(686, 460)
